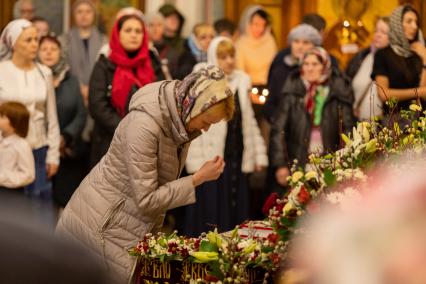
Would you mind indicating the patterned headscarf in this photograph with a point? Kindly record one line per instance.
(325, 59)
(9, 36)
(398, 41)
(199, 91)
(313, 88)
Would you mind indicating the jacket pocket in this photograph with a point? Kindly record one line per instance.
(111, 213)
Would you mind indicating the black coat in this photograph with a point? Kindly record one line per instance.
(102, 111)
(290, 132)
(71, 110)
(186, 63)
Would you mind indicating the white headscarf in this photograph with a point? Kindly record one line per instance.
(233, 80)
(9, 36)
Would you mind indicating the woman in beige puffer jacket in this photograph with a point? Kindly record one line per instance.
(127, 194)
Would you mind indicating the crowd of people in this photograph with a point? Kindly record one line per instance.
(63, 100)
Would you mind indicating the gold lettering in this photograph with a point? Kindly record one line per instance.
(167, 270)
(156, 273)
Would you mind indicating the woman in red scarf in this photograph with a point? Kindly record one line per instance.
(115, 77)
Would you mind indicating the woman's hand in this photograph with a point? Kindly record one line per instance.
(211, 170)
(51, 170)
(281, 175)
(420, 49)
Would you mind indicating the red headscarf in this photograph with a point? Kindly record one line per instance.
(125, 76)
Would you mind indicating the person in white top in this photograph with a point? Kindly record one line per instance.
(16, 159)
(30, 83)
(226, 202)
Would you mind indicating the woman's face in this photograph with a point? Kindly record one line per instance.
(84, 16)
(49, 53)
(204, 37)
(299, 47)
(312, 68)
(131, 35)
(381, 35)
(26, 45)
(203, 121)
(156, 30)
(257, 26)
(226, 62)
(409, 24)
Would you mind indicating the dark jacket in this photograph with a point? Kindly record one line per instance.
(104, 114)
(290, 132)
(71, 110)
(186, 63)
(277, 76)
(355, 63)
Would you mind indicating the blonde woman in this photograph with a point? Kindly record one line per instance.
(226, 201)
(128, 192)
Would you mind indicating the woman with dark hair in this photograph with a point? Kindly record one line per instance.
(316, 107)
(115, 78)
(400, 68)
(71, 116)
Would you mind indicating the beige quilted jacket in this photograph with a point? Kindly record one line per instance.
(128, 193)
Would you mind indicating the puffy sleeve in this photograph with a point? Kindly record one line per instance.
(142, 156)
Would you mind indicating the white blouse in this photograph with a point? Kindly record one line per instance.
(17, 166)
(34, 89)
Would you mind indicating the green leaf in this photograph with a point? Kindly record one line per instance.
(208, 246)
(329, 177)
(214, 269)
(267, 249)
(288, 222)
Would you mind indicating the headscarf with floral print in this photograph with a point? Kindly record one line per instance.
(316, 91)
(199, 91)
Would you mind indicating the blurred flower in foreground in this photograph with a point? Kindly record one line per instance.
(379, 238)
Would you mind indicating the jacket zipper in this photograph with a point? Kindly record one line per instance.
(105, 224)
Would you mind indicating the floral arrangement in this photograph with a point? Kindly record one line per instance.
(334, 178)
(227, 255)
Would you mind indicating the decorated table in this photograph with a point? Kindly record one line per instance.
(253, 252)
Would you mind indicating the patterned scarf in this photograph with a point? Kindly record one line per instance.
(398, 41)
(199, 91)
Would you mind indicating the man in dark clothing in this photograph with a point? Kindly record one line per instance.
(173, 41)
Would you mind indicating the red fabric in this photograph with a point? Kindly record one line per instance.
(130, 71)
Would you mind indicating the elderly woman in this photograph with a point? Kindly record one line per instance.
(400, 68)
(82, 43)
(300, 39)
(316, 107)
(24, 80)
(128, 193)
